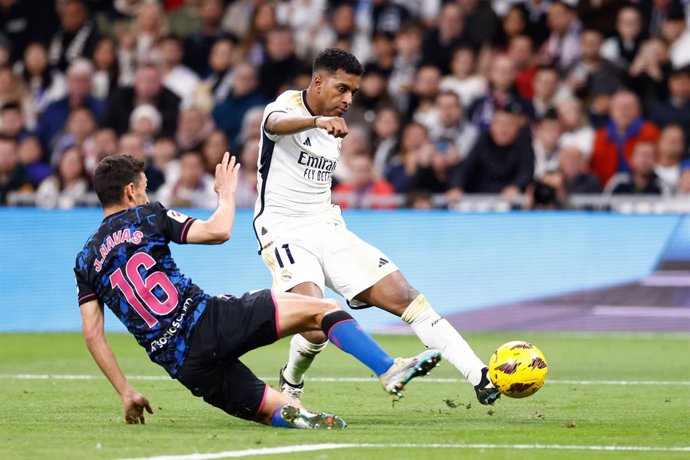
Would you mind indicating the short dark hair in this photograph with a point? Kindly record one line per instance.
(333, 59)
(113, 174)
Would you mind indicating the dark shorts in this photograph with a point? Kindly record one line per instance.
(229, 328)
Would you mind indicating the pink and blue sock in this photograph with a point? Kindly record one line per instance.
(277, 419)
(347, 334)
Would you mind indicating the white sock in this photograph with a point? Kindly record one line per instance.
(302, 354)
(437, 333)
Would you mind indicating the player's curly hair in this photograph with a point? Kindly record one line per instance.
(332, 59)
(113, 174)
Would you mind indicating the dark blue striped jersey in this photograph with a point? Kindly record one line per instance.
(127, 265)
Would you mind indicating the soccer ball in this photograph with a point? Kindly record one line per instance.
(517, 369)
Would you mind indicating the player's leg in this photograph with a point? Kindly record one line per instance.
(233, 388)
(303, 349)
(361, 272)
(297, 313)
(394, 294)
(295, 264)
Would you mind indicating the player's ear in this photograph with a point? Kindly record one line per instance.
(317, 82)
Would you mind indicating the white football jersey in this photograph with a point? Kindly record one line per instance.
(294, 176)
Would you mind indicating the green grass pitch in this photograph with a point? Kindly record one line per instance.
(584, 403)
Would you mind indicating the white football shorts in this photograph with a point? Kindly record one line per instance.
(325, 254)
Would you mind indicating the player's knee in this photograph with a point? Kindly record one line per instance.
(327, 307)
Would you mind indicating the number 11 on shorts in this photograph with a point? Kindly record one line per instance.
(286, 248)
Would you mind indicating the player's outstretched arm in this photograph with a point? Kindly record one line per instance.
(281, 123)
(218, 227)
(133, 402)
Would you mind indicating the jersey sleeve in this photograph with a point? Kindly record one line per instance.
(173, 224)
(85, 292)
(276, 106)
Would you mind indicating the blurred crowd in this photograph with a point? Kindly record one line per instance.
(537, 99)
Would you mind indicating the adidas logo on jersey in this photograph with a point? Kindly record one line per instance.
(382, 262)
(263, 230)
(307, 142)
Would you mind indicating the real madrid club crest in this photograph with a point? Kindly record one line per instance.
(286, 275)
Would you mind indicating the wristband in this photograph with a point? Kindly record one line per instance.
(316, 118)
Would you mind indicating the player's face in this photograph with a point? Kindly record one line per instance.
(336, 92)
(140, 195)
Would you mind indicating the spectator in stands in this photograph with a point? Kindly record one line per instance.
(614, 143)
(79, 132)
(501, 93)
(439, 45)
(548, 90)
(164, 158)
(53, 119)
(502, 161)
(193, 187)
(146, 122)
(104, 144)
(546, 194)
(76, 37)
(304, 17)
(383, 52)
(547, 134)
(31, 156)
(571, 165)
(408, 42)
(481, 23)
(109, 71)
(419, 200)
(243, 96)
(246, 193)
(133, 144)
(13, 174)
(362, 189)
(371, 97)
(177, 77)
(146, 89)
(576, 128)
(452, 134)
(20, 23)
(12, 122)
(280, 64)
(412, 168)
(140, 40)
(655, 12)
(464, 79)
(675, 31)
(220, 62)
(425, 88)
(650, 70)
(537, 28)
(388, 16)
(513, 24)
(641, 178)
(625, 43)
(193, 128)
(590, 73)
(69, 183)
(562, 48)
(339, 24)
(251, 128)
(186, 18)
(669, 155)
(384, 137)
(251, 47)
(44, 84)
(675, 109)
(521, 51)
(215, 145)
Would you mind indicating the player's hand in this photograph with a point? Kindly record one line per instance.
(227, 172)
(335, 126)
(134, 404)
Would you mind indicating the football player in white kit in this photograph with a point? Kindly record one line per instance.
(303, 239)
